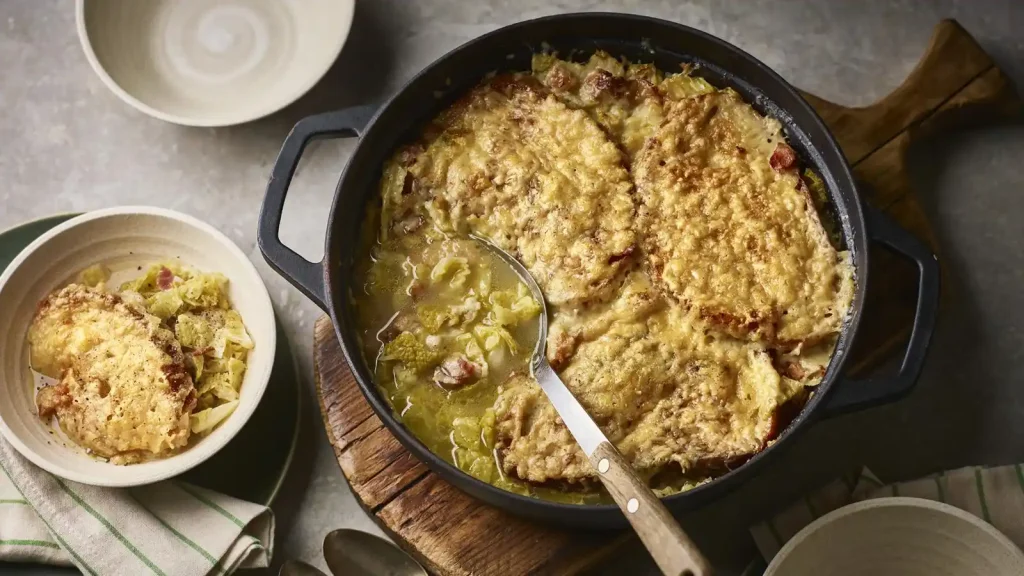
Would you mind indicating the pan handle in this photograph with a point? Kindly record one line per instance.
(307, 276)
(854, 395)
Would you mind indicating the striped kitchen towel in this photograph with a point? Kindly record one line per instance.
(995, 494)
(170, 528)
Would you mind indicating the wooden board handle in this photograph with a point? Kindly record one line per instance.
(952, 61)
(671, 548)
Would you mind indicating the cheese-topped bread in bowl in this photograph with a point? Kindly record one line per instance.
(102, 380)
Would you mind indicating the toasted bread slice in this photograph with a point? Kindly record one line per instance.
(659, 388)
(513, 163)
(124, 392)
(730, 231)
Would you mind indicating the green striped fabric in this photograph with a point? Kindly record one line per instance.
(995, 494)
(169, 528)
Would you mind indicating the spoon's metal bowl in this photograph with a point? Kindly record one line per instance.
(531, 283)
(356, 553)
(299, 568)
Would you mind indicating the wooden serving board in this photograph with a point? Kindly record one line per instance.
(454, 534)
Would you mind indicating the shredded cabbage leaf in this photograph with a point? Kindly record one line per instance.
(494, 336)
(679, 86)
(196, 307)
(199, 362)
(455, 269)
(410, 351)
(434, 317)
(230, 334)
(164, 304)
(472, 442)
(405, 376)
(193, 289)
(468, 344)
(206, 420)
(204, 291)
(218, 384)
(509, 308)
(194, 331)
(461, 313)
(466, 433)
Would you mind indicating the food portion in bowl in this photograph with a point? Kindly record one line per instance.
(139, 371)
(696, 287)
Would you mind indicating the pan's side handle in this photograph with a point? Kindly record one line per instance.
(307, 276)
(853, 395)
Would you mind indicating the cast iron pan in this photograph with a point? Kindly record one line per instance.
(382, 129)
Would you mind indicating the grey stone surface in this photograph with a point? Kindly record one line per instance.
(67, 144)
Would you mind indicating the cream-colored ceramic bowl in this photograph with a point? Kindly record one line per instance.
(212, 62)
(898, 537)
(123, 239)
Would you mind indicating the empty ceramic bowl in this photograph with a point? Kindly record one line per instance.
(212, 62)
(898, 537)
(125, 240)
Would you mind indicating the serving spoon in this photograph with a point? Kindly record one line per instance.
(299, 568)
(668, 544)
(355, 553)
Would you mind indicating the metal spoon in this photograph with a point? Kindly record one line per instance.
(355, 553)
(299, 568)
(670, 547)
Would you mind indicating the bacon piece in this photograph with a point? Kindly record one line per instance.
(783, 158)
(455, 371)
(562, 350)
(601, 82)
(560, 79)
(165, 278)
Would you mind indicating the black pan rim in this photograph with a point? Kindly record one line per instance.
(841, 176)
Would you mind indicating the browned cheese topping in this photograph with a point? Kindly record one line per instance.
(123, 391)
(731, 236)
(515, 164)
(694, 290)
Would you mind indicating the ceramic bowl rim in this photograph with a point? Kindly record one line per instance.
(348, 7)
(892, 502)
(237, 420)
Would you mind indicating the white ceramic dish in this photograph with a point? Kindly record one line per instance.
(898, 537)
(123, 239)
(212, 62)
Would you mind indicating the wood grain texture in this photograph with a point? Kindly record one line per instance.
(956, 84)
(672, 550)
(953, 59)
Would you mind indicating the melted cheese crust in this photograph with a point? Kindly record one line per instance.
(513, 163)
(731, 236)
(123, 390)
(661, 387)
(683, 348)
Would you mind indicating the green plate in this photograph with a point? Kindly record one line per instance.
(253, 465)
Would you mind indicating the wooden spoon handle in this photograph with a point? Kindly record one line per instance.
(671, 548)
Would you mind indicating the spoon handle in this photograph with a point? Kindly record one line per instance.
(671, 548)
